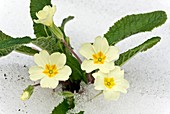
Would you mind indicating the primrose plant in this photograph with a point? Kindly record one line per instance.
(58, 64)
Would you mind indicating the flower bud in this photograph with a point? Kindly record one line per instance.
(66, 94)
(27, 93)
(56, 31)
(45, 16)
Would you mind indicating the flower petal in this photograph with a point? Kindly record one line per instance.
(121, 86)
(99, 83)
(58, 59)
(112, 54)
(125, 83)
(53, 9)
(99, 73)
(101, 44)
(87, 50)
(120, 89)
(88, 66)
(41, 14)
(106, 67)
(117, 73)
(64, 73)
(47, 82)
(45, 16)
(36, 73)
(35, 77)
(35, 70)
(111, 95)
(46, 8)
(42, 58)
(36, 21)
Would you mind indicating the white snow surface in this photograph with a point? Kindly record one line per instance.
(148, 73)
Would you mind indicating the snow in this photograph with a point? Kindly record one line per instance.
(148, 72)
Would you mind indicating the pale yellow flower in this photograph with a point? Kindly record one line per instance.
(45, 16)
(51, 69)
(99, 55)
(111, 83)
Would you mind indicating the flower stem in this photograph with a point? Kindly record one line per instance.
(90, 78)
(56, 31)
(45, 29)
(36, 85)
(96, 95)
(71, 50)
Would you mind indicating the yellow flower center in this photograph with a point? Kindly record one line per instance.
(50, 70)
(109, 82)
(99, 58)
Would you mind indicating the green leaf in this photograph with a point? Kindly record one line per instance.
(81, 112)
(14, 42)
(77, 73)
(62, 108)
(66, 94)
(132, 52)
(8, 44)
(35, 6)
(69, 18)
(70, 101)
(133, 24)
(27, 50)
(50, 44)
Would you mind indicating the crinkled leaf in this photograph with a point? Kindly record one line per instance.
(62, 108)
(8, 44)
(133, 24)
(14, 42)
(132, 52)
(27, 50)
(50, 44)
(35, 6)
